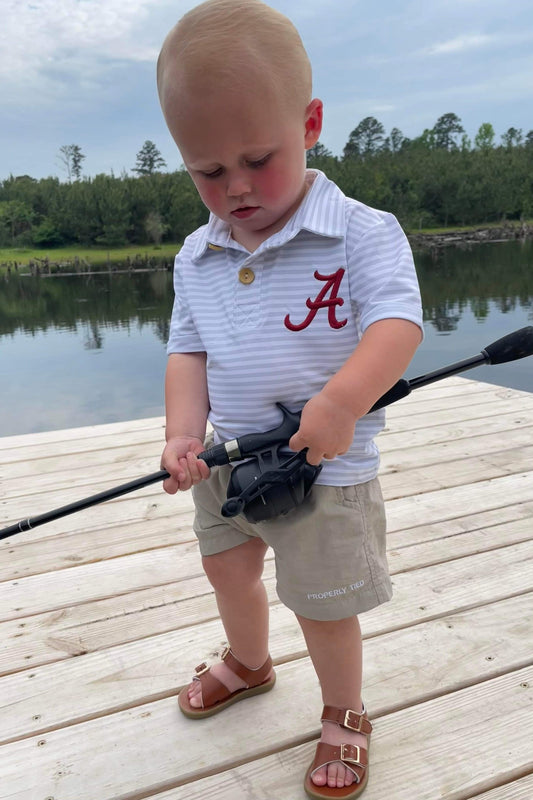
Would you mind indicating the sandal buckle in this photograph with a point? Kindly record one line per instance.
(225, 652)
(201, 669)
(349, 759)
(346, 724)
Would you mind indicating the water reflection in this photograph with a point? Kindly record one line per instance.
(88, 303)
(480, 278)
(81, 350)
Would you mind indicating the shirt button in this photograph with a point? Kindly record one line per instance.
(246, 275)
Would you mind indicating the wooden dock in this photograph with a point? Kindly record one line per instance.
(105, 613)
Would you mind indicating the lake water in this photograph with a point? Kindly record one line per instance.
(84, 350)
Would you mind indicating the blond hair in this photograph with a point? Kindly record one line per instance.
(225, 42)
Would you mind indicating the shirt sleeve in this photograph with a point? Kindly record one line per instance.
(383, 281)
(183, 336)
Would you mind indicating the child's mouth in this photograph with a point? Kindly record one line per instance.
(245, 212)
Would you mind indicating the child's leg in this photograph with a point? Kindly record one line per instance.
(235, 575)
(335, 648)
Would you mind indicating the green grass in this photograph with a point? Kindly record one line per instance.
(94, 256)
(101, 256)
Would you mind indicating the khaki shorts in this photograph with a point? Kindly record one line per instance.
(330, 551)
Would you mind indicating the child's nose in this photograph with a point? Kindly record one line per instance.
(238, 184)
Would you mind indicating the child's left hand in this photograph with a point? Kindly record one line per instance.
(326, 429)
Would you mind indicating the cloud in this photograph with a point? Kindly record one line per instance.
(46, 45)
(83, 71)
(476, 41)
(460, 44)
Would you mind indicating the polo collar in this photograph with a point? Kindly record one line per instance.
(322, 212)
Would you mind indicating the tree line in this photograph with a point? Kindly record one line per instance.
(439, 178)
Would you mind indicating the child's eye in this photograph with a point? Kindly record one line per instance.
(215, 174)
(260, 162)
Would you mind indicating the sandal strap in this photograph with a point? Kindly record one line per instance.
(346, 718)
(252, 677)
(213, 691)
(353, 757)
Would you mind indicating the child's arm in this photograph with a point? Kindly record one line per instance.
(379, 360)
(187, 406)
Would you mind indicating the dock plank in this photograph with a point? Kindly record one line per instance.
(456, 650)
(415, 744)
(505, 452)
(440, 589)
(82, 760)
(509, 568)
(105, 613)
(152, 502)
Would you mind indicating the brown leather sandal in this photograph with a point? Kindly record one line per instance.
(353, 757)
(216, 697)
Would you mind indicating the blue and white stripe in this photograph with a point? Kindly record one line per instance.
(253, 359)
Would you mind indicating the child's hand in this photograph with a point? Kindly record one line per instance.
(326, 428)
(180, 460)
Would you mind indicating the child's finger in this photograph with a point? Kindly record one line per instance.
(314, 456)
(171, 485)
(194, 466)
(297, 442)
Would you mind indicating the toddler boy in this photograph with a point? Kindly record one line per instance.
(291, 293)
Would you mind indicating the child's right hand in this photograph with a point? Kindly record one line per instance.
(180, 460)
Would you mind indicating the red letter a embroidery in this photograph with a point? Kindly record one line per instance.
(332, 285)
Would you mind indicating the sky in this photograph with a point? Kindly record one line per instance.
(83, 72)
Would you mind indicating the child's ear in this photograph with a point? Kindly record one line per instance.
(313, 122)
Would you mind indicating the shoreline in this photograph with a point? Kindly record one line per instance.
(505, 232)
(47, 266)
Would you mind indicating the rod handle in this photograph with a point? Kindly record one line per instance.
(518, 344)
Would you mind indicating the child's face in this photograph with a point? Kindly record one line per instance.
(247, 159)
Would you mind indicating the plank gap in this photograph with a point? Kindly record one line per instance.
(148, 793)
(506, 781)
(432, 617)
(439, 520)
(444, 560)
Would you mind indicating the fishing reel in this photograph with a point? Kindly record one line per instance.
(271, 482)
(269, 485)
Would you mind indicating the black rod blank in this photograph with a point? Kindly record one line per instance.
(79, 505)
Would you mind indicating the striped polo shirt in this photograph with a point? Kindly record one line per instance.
(277, 323)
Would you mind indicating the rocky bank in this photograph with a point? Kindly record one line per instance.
(500, 233)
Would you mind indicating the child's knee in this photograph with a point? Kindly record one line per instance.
(236, 569)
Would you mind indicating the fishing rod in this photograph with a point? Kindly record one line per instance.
(268, 484)
(512, 347)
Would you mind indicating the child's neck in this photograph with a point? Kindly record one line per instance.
(251, 240)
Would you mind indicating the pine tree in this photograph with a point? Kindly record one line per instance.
(149, 159)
